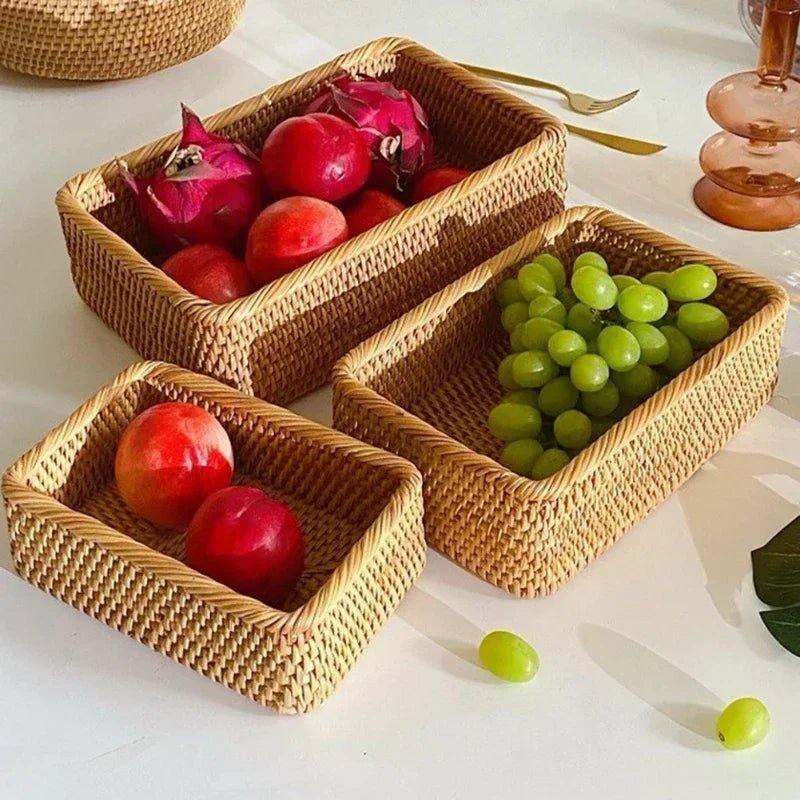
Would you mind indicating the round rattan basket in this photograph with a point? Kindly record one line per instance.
(109, 39)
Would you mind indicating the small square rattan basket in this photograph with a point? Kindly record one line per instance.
(423, 388)
(281, 341)
(360, 510)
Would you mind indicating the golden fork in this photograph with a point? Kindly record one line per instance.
(582, 103)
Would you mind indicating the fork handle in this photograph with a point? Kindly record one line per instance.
(510, 77)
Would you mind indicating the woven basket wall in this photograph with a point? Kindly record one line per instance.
(423, 388)
(91, 40)
(281, 342)
(360, 510)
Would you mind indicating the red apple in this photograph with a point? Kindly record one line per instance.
(210, 272)
(169, 459)
(318, 155)
(436, 180)
(290, 233)
(243, 538)
(368, 209)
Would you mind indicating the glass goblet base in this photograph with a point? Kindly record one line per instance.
(745, 211)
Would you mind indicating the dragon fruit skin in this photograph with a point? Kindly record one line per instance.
(391, 120)
(209, 190)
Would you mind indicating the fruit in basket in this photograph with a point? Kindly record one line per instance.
(249, 541)
(529, 397)
(436, 180)
(597, 349)
(702, 323)
(368, 209)
(291, 232)
(508, 656)
(519, 456)
(743, 723)
(210, 272)
(511, 421)
(169, 459)
(209, 190)
(318, 155)
(389, 119)
(690, 283)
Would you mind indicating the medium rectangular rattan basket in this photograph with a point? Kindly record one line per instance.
(360, 510)
(423, 388)
(281, 341)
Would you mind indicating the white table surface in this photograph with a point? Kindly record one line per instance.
(638, 652)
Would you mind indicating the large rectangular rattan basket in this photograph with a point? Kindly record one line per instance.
(360, 510)
(423, 388)
(281, 341)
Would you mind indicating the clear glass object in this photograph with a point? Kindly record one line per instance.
(752, 166)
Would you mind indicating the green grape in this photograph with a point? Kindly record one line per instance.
(652, 343)
(619, 347)
(589, 373)
(517, 345)
(600, 425)
(557, 395)
(565, 346)
(626, 405)
(508, 656)
(514, 315)
(639, 382)
(533, 369)
(505, 372)
(567, 297)
(642, 303)
(595, 288)
(624, 281)
(584, 321)
(658, 279)
(680, 350)
(520, 455)
(703, 323)
(528, 397)
(691, 282)
(548, 307)
(536, 332)
(548, 463)
(744, 723)
(572, 429)
(507, 292)
(511, 421)
(602, 402)
(590, 259)
(535, 279)
(554, 266)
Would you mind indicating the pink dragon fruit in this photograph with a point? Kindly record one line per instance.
(393, 123)
(209, 190)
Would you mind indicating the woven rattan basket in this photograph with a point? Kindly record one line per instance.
(107, 39)
(281, 342)
(423, 388)
(360, 510)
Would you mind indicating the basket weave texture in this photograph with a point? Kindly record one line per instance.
(360, 510)
(281, 341)
(109, 39)
(424, 386)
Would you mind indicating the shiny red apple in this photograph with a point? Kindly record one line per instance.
(250, 542)
(318, 155)
(169, 459)
(210, 272)
(368, 209)
(436, 180)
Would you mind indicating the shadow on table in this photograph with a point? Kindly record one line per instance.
(674, 694)
(787, 393)
(727, 510)
(450, 630)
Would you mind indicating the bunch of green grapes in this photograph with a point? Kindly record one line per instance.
(587, 352)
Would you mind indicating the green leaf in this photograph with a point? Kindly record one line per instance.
(784, 625)
(776, 567)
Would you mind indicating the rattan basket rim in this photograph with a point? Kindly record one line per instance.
(16, 490)
(68, 197)
(344, 371)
